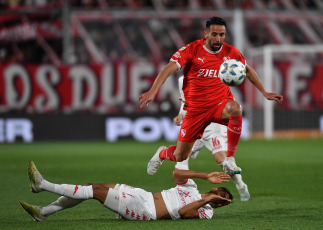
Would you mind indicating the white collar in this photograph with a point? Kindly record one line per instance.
(212, 52)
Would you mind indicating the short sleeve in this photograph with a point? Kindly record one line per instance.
(182, 56)
(205, 212)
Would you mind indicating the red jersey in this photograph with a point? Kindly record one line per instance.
(202, 86)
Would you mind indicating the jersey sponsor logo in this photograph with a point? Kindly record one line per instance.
(182, 195)
(207, 73)
(75, 190)
(127, 211)
(183, 132)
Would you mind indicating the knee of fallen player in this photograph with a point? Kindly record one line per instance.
(100, 192)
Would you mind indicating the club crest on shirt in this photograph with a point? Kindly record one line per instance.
(183, 132)
(226, 58)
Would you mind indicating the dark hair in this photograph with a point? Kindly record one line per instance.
(215, 21)
(226, 190)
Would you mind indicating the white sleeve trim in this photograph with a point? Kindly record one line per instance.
(178, 65)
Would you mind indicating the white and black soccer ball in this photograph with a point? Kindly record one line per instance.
(232, 72)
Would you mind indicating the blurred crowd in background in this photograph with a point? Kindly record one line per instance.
(169, 4)
(31, 30)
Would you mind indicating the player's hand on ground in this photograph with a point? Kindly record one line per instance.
(218, 177)
(178, 119)
(274, 97)
(146, 98)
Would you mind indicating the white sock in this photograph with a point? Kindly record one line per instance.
(71, 191)
(60, 204)
(224, 162)
(237, 179)
(182, 164)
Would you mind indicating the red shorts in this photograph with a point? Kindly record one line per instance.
(195, 122)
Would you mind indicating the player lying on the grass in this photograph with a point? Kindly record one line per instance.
(214, 139)
(182, 201)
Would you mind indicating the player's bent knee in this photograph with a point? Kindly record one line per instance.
(233, 108)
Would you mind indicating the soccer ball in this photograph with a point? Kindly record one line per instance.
(232, 72)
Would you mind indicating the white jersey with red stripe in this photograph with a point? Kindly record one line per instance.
(202, 87)
(182, 195)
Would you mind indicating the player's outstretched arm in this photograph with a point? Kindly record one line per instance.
(190, 211)
(254, 79)
(147, 97)
(180, 176)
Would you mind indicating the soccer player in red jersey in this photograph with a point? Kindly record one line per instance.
(207, 98)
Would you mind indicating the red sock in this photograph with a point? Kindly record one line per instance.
(234, 132)
(168, 153)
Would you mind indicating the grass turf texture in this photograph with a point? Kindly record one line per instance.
(284, 179)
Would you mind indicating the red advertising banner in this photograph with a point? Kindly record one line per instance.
(97, 88)
(109, 88)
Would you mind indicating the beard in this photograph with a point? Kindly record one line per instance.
(215, 46)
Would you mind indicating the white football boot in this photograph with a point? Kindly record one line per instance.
(230, 167)
(155, 162)
(244, 193)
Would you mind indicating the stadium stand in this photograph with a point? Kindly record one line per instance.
(120, 29)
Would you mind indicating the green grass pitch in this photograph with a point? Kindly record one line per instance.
(284, 179)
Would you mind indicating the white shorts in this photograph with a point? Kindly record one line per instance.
(214, 139)
(134, 203)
